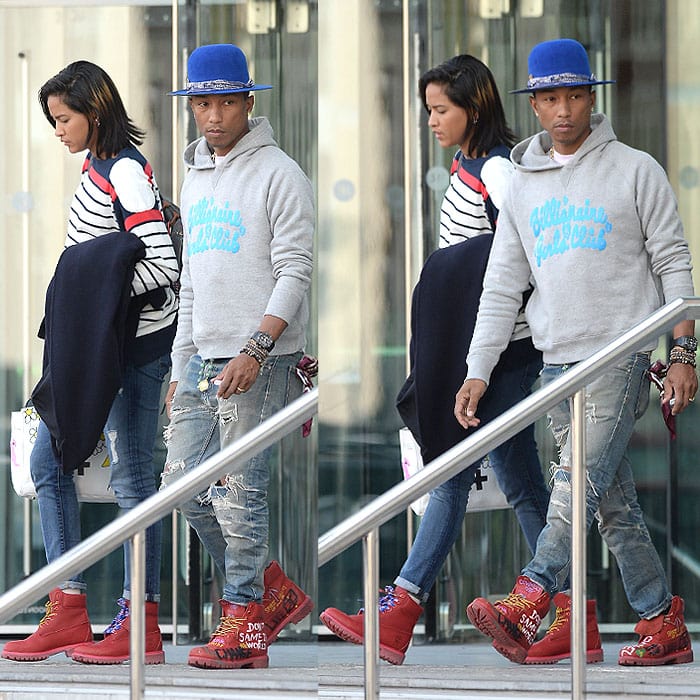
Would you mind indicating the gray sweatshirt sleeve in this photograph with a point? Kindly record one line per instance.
(292, 222)
(663, 231)
(507, 277)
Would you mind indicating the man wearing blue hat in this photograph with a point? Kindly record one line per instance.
(248, 214)
(593, 224)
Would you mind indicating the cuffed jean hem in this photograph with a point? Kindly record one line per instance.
(78, 585)
(412, 589)
(149, 597)
(661, 609)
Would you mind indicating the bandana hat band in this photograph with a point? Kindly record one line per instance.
(218, 69)
(559, 63)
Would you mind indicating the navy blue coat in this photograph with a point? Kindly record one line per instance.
(443, 315)
(87, 327)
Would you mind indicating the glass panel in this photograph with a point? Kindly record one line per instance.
(361, 276)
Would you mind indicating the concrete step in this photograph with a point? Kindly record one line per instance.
(335, 671)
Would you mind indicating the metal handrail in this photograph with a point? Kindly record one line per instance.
(364, 522)
(132, 524)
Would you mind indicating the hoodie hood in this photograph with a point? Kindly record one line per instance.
(199, 157)
(532, 154)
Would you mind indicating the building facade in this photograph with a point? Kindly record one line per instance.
(345, 106)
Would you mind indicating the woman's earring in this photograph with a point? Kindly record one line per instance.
(97, 121)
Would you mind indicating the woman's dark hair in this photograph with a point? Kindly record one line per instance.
(470, 85)
(87, 89)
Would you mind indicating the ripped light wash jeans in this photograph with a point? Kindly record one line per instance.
(130, 433)
(614, 401)
(231, 520)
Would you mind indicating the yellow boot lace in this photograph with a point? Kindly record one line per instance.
(50, 606)
(227, 625)
(515, 601)
(561, 618)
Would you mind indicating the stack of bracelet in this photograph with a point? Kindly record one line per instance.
(681, 355)
(255, 350)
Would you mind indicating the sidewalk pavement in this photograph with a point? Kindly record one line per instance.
(334, 671)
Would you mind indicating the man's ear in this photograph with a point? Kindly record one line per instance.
(533, 105)
(250, 102)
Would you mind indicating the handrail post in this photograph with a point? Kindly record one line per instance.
(370, 554)
(578, 544)
(137, 615)
(174, 570)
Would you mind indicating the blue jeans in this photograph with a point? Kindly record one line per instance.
(231, 518)
(518, 471)
(614, 402)
(130, 434)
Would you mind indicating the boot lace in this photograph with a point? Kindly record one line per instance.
(50, 606)
(561, 618)
(119, 618)
(227, 625)
(386, 601)
(515, 601)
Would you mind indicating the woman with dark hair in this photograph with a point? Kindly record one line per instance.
(115, 226)
(464, 110)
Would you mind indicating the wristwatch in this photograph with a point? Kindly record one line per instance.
(264, 340)
(687, 342)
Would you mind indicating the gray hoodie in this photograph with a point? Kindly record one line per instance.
(249, 224)
(600, 239)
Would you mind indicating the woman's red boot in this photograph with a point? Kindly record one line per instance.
(115, 647)
(63, 627)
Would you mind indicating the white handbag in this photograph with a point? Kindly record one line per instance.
(91, 478)
(485, 493)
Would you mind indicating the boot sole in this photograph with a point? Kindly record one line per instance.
(297, 615)
(679, 657)
(482, 616)
(152, 658)
(593, 656)
(393, 656)
(258, 662)
(28, 656)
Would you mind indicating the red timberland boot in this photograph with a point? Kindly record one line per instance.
(115, 648)
(65, 625)
(662, 640)
(512, 623)
(283, 601)
(556, 644)
(238, 642)
(398, 614)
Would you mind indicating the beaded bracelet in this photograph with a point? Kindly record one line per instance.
(679, 355)
(255, 350)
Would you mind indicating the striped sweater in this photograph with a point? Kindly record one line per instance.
(477, 187)
(121, 193)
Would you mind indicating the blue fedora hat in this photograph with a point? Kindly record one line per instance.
(218, 69)
(559, 63)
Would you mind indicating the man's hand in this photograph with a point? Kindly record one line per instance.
(169, 398)
(237, 376)
(467, 400)
(680, 386)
